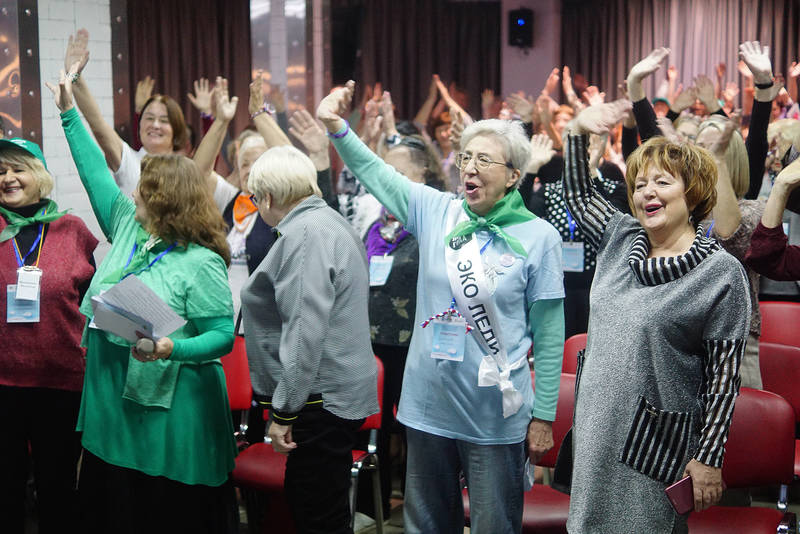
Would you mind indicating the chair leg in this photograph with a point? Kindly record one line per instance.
(376, 497)
(354, 470)
(783, 498)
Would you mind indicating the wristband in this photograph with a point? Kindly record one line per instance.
(204, 115)
(340, 135)
(266, 108)
(764, 85)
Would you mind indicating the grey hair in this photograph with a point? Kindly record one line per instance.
(510, 134)
(285, 173)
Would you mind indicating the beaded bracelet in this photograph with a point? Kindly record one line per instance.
(74, 77)
(340, 135)
(264, 109)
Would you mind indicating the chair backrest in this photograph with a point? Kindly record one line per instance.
(564, 411)
(779, 323)
(374, 420)
(780, 372)
(572, 346)
(760, 448)
(237, 376)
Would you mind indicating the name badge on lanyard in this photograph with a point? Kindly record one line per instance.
(22, 299)
(449, 338)
(572, 251)
(379, 269)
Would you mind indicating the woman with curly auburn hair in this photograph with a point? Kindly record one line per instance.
(157, 431)
(653, 405)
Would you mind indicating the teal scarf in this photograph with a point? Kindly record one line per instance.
(16, 221)
(510, 210)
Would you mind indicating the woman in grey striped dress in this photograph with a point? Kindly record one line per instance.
(669, 315)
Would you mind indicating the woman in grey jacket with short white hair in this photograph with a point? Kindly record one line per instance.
(308, 342)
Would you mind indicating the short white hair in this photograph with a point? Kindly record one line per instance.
(285, 173)
(250, 142)
(510, 134)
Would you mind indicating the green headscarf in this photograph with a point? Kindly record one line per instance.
(508, 211)
(16, 221)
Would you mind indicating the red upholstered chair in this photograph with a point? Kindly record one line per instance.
(572, 346)
(545, 509)
(237, 380)
(780, 373)
(260, 470)
(779, 323)
(759, 452)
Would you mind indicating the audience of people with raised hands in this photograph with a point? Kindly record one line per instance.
(456, 250)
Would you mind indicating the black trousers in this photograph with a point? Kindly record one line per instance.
(125, 501)
(37, 428)
(318, 472)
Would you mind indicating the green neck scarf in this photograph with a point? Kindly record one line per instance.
(16, 221)
(510, 210)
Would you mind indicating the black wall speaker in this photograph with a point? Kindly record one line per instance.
(520, 27)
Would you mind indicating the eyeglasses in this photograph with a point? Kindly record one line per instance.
(482, 161)
(254, 200)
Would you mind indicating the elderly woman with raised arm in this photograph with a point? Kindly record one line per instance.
(157, 430)
(489, 285)
(655, 404)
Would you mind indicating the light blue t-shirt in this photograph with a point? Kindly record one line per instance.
(442, 397)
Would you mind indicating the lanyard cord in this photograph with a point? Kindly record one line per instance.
(39, 241)
(572, 225)
(130, 257)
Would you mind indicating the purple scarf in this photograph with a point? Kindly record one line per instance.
(377, 245)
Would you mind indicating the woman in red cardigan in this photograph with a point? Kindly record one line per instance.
(770, 254)
(46, 265)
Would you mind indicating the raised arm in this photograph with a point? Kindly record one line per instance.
(305, 129)
(92, 169)
(108, 139)
(726, 213)
(391, 188)
(424, 113)
(770, 254)
(265, 124)
(757, 60)
(590, 210)
(642, 109)
(209, 147)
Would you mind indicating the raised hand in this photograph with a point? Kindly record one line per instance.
(521, 105)
(628, 121)
(706, 92)
(643, 69)
(144, 90)
(63, 91)
(372, 124)
(224, 105)
(201, 99)
(544, 109)
(720, 146)
(337, 103)
(277, 98)
(457, 125)
(597, 148)
(593, 96)
(744, 70)
(487, 103)
(648, 65)
(684, 100)
(672, 73)
(730, 91)
(386, 110)
(541, 152)
(77, 51)
(756, 57)
(256, 99)
(551, 85)
(720, 69)
(601, 118)
(305, 129)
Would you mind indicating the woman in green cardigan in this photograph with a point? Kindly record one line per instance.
(157, 432)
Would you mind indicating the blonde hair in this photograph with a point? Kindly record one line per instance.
(18, 157)
(285, 173)
(179, 204)
(735, 155)
(692, 164)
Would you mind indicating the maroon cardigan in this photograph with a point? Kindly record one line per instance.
(48, 353)
(772, 256)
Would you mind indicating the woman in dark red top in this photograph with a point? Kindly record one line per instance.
(46, 265)
(770, 254)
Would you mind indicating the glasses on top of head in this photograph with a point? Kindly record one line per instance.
(482, 161)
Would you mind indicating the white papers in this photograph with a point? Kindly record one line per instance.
(130, 307)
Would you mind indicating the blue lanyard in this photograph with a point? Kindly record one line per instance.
(21, 260)
(133, 251)
(708, 232)
(572, 225)
(483, 248)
